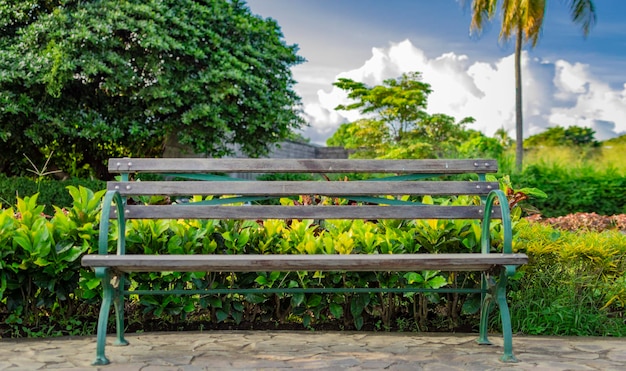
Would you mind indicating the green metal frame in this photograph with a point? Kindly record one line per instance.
(490, 290)
(112, 283)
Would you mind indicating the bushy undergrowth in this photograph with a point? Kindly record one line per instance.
(574, 283)
(574, 189)
(40, 262)
(44, 291)
(50, 191)
(609, 156)
(576, 179)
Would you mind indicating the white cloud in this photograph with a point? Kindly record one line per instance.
(558, 93)
(596, 104)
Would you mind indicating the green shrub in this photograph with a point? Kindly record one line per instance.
(40, 266)
(574, 283)
(300, 237)
(38, 282)
(574, 189)
(51, 192)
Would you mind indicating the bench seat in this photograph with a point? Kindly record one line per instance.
(287, 263)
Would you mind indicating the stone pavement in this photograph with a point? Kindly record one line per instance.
(275, 350)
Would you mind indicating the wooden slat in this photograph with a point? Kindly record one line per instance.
(289, 188)
(256, 212)
(261, 263)
(237, 165)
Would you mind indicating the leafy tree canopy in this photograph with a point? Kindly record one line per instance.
(559, 136)
(86, 80)
(397, 124)
(479, 145)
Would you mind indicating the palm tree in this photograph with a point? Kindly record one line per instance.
(524, 19)
(503, 138)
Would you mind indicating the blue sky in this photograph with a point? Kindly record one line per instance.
(568, 79)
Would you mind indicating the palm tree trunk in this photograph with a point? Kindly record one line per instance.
(519, 126)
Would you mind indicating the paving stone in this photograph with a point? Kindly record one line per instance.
(50, 358)
(605, 365)
(341, 362)
(581, 355)
(457, 340)
(617, 355)
(26, 364)
(588, 347)
(60, 366)
(212, 363)
(439, 367)
(115, 366)
(193, 368)
(274, 350)
(258, 364)
(375, 365)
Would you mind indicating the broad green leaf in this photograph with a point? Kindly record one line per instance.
(314, 300)
(437, 282)
(336, 310)
(413, 277)
(215, 301)
(221, 315)
(297, 299)
(92, 283)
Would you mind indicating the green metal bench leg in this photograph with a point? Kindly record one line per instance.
(113, 294)
(103, 318)
(505, 316)
(485, 309)
(118, 302)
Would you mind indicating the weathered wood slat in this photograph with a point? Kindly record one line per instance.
(255, 212)
(287, 188)
(238, 165)
(284, 263)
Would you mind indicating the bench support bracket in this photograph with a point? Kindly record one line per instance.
(505, 317)
(497, 291)
(113, 294)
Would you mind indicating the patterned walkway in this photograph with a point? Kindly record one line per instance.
(277, 350)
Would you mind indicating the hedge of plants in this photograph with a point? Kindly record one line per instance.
(575, 281)
(41, 273)
(583, 188)
(44, 291)
(51, 192)
(574, 189)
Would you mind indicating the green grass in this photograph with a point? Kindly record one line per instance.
(574, 283)
(606, 158)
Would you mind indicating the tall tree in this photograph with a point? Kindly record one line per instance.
(86, 80)
(400, 102)
(560, 136)
(397, 124)
(524, 19)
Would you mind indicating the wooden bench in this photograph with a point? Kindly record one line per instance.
(370, 200)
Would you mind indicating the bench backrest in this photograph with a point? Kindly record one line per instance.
(403, 178)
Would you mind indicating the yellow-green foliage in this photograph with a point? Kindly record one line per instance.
(574, 284)
(571, 274)
(605, 252)
(601, 159)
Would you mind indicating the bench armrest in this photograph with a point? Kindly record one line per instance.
(105, 217)
(485, 240)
